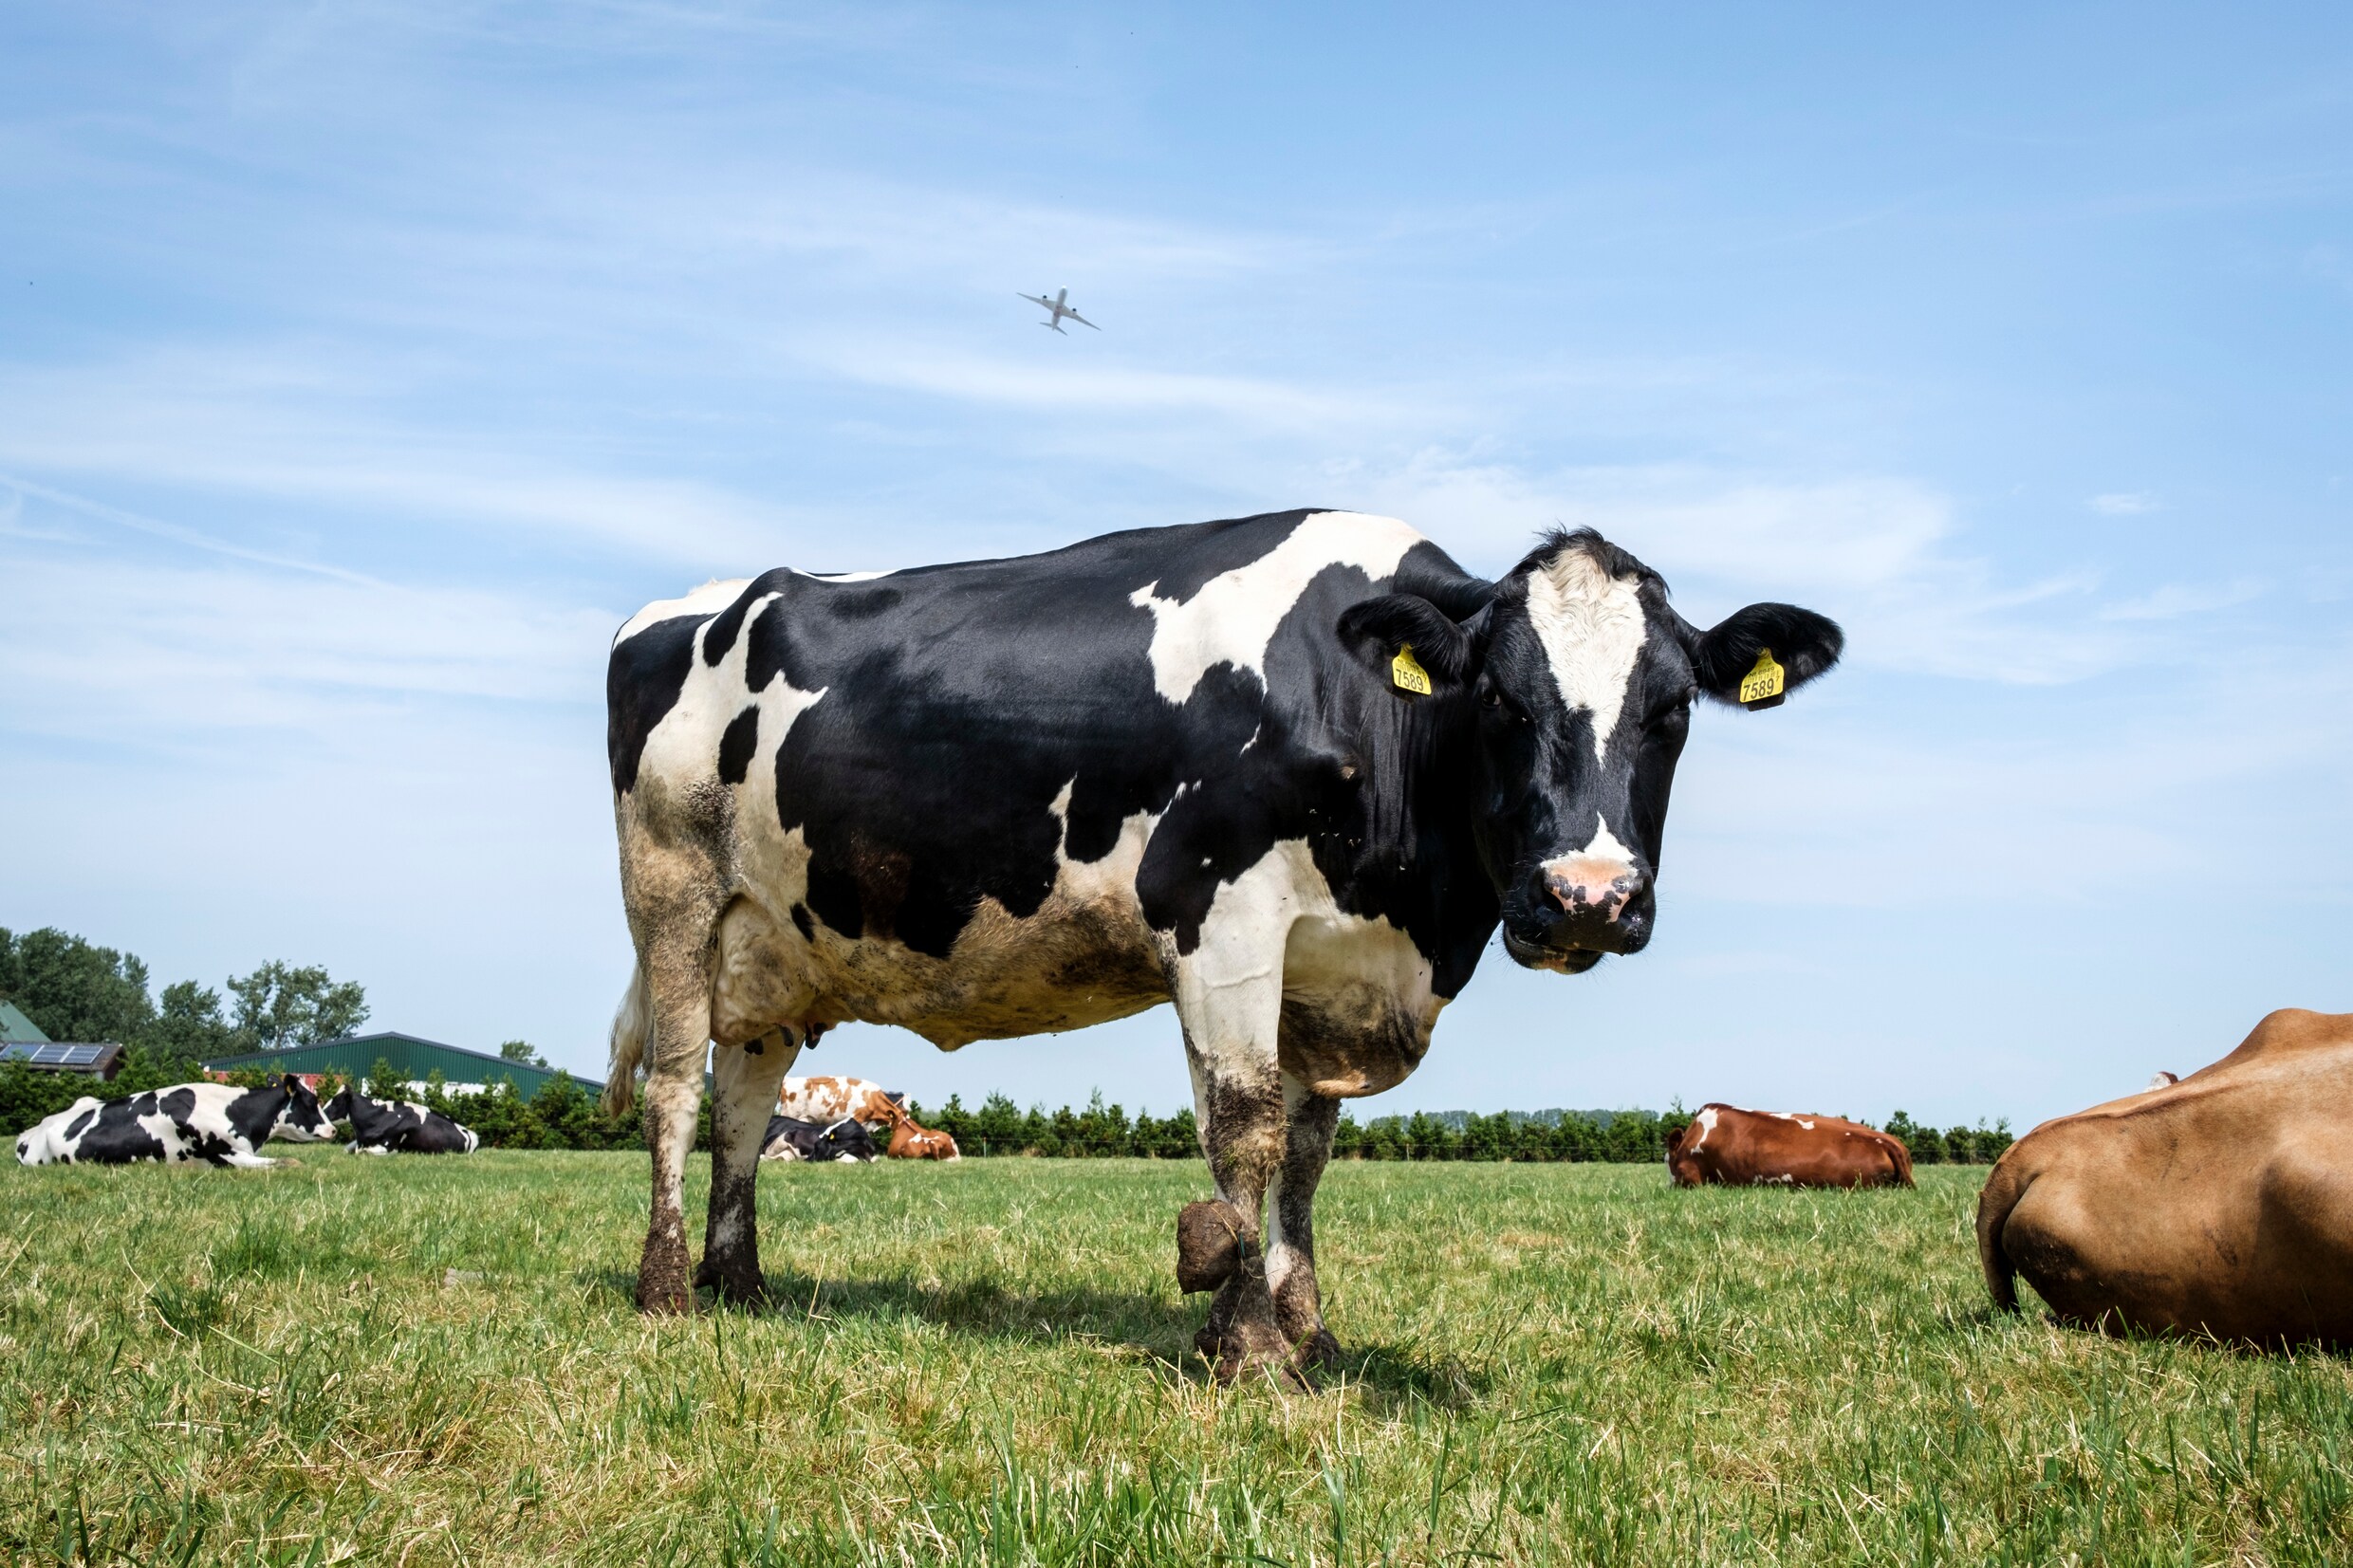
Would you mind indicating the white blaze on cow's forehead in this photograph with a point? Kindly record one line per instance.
(1235, 615)
(1591, 626)
(708, 600)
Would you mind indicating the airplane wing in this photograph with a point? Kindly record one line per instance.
(1076, 317)
(1035, 298)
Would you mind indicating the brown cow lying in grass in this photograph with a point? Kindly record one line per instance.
(2219, 1204)
(1736, 1148)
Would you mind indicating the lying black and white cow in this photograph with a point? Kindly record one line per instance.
(398, 1126)
(215, 1122)
(1289, 772)
(790, 1138)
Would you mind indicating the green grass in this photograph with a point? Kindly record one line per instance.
(989, 1362)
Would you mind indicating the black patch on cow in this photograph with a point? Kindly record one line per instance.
(743, 733)
(252, 1113)
(863, 604)
(115, 1136)
(801, 923)
(725, 626)
(75, 1126)
(642, 685)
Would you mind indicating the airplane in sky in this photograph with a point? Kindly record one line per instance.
(1056, 311)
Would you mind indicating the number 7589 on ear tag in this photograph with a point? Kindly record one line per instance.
(1765, 684)
(1406, 673)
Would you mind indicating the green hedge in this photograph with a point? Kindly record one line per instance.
(565, 1116)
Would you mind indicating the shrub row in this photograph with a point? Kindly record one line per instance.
(565, 1116)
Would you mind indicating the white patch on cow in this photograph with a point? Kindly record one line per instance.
(1235, 615)
(1591, 626)
(708, 600)
(1805, 1122)
(1707, 1124)
(846, 576)
(1274, 934)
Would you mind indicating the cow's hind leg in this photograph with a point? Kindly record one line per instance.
(1311, 1121)
(678, 984)
(743, 1097)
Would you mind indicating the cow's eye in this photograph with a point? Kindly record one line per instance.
(1492, 697)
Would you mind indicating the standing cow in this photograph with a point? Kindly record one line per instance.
(1289, 772)
(1735, 1148)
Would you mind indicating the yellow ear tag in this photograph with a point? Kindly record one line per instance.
(1408, 673)
(1763, 686)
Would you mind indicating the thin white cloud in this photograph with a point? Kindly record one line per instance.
(2123, 503)
(2175, 599)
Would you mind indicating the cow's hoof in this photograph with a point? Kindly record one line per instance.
(663, 1284)
(1237, 1355)
(1208, 1245)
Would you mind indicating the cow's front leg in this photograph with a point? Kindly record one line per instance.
(1237, 1096)
(1311, 1121)
(745, 1077)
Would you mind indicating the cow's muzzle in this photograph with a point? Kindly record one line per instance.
(1579, 909)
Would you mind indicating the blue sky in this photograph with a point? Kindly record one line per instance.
(362, 367)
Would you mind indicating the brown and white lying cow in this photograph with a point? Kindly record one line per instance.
(1737, 1148)
(2219, 1204)
(827, 1101)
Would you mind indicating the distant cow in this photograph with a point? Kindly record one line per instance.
(389, 1126)
(2164, 1080)
(217, 1123)
(910, 1142)
(825, 1101)
(790, 1138)
(2219, 1205)
(1738, 1148)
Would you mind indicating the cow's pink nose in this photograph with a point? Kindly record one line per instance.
(1589, 884)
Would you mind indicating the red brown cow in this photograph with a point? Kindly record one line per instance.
(1736, 1148)
(910, 1142)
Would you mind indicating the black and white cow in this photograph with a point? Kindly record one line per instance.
(398, 1126)
(790, 1138)
(217, 1123)
(1178, 764)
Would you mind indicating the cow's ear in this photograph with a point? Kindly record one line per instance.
(1742, 650)
(1379, 631)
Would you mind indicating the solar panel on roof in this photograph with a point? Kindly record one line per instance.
(41, 1055)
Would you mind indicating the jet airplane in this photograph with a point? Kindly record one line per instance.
(1056, 310)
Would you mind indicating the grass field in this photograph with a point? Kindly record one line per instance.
(421, 1362)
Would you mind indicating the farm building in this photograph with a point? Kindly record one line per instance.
(414, 1060)
(20, 1040)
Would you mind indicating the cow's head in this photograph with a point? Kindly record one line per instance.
(1580, 676)
(303, 1121)
(340, 1107)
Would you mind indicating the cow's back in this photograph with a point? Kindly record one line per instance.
(2218, 1204)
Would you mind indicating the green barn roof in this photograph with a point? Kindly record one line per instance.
(16, 1028)
(412, 1057)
